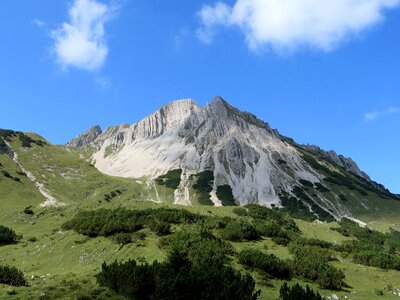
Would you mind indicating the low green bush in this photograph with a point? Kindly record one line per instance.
(239, 230)
(7, 236)
(267, 263)
(240, 211)
(199, 245)
(107, 222)
(195, 269)
(296, 292)
(172, 179)
(312, 263)
(12, 276)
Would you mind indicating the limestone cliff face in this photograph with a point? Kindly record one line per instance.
(86, 138)
(242, 151)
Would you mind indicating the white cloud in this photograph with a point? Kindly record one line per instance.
(81, 42)
(371, 116)
(286, 25)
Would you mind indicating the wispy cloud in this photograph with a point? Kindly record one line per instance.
(374, 115)
(104, 83)
(39, 23)
(180, 36)
(289, 25)
(81, 42)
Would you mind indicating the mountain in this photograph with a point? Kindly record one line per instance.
(220, 155)
(86, 138)
(203, 157)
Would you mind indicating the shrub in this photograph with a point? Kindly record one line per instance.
(204, 185)
(306, 183)
(270, 229)
(107, 222)
(7, 134)
(6, 174)
(172, 179)
(268, 263)
(26, 141)
(240, 211)
(160, 228)
(7, 235)
(378, 259)
(302, 241)
(224, 193)
(264, 213)
(176, 279)
(11, 276)
(239, 230)
(322, 214)
(313, 264)
(321, 187)
(199, 245)
(296, 208)
(28, 210)
(297, 292)
(195, 269)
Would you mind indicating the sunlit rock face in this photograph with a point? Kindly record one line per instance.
(241, 151)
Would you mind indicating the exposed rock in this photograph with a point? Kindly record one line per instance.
(242, 151)
(86, 138)
(345, 162)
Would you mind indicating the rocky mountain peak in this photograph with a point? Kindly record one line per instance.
(241, 154)
(86, 138)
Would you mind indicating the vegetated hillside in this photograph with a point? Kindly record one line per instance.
(61, 251)
(59, 248)
(61, 175)
(219, 155)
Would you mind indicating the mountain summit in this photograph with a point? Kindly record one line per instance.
(241, 157)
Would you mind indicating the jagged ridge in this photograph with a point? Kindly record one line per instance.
(242, 151)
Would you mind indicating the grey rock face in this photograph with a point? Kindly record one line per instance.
(86, 138)
(345, 162)
(242, 151)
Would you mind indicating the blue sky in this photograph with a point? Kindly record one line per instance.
(322, 72)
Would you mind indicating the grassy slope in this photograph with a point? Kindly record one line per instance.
(62, 265)
(379, 212)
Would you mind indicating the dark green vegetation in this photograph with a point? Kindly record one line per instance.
(11, 276)
(267, 263)
(312, 263)
(302, 195)
(371, 247)
(239, 230)
(62, 264)
(103, 222)
(194, 269)
(204, 185)
(297, 292)
(296, 208)
(172, 179)
(224, 193)
(26, 141)
(7, 236)
(347, 180)
(205, 247)
(108, 197)
(177, 278)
